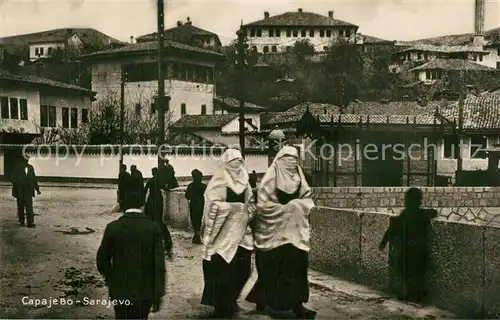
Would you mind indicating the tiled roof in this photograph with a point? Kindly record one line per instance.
(203, 121)
(374, 108)
(185, 29)
(6, 75)
(377, 119)
(235, 103)
(457, 39)
(479, 112)
(444, 48)
(90, 37)
(149, 47)
(453, 64)
(370, 39)
(300, 19)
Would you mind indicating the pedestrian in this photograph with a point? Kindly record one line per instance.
(253, 179)
(168, 175)
(227, 236)
(408, 233)
(195, 194)
(123, 186)
(24, 185)
(137, 182)
(132, 261)
(154, 208)
(282, 237)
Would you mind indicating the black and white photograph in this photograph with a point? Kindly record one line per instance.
(248, 159)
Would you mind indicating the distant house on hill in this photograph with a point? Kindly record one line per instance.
(434, 70)
(279, 33)
(188, 34)
(33, 46)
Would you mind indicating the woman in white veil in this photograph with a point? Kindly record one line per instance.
(281, 237)
(227, 236)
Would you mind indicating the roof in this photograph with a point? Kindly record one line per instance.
(298, 18)
(372, 108)
(6, 75)
(145, 47)
(186, 29)
(479, 112)
(444, 48)
(203, 121)
(377, 119)
(373, 40)
(89, 37)
(453, 64)
(233, 103)
(457, 39)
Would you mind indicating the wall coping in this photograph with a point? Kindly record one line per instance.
(403, 189)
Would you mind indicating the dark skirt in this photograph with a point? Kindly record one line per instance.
(225, 281)
(282, 282)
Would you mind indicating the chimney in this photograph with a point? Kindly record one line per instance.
(300, 10)
(330, 14)
(131, 39)
(188, 21)
(179, 23)
(266, 15)
(479, 23)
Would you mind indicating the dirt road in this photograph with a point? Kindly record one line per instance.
(57, 261)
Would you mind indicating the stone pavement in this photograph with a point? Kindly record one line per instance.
(57, 259)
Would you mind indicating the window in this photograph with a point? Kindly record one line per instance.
(303, 33)
(274, 49)
(37, 52)
(325, 48)
(419, 56)
(266, 49)
(23, 106)
(498, 65)
(44, 116)
(271, 33)
(295, 33)
(449, 148)
(259, 32)
(41, 51)
(254, 48)
(328, 33)
(480, 57)
(348, 33)
(426, 56)
(65, 117)
(4, 106)
(138, 109)
(189, 72)
(183, 109)
(210, 75)
(203, 109)
(476, 144)
(311, 33)
(498, 51)
(289, 33)
(85, 116)
(321, 33)
(277, 33)
(141, 72)
(49, 51)
(252, 32)
(14, 108)
(74, 118)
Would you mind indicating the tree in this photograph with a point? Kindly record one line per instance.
(303, 48)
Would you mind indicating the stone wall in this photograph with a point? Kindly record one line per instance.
(467, 204)
(464, 272)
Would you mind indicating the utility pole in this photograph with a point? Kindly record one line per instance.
(161, 81)
(241, 64)
(461, 120)
(122, 111)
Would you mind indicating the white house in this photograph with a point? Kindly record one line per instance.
(279, 33)
(189, 76)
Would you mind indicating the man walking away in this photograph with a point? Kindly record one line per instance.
(154, 207)
(137, 182)
(168, 174)
(132, 261)
(253, 179)
(24, 185)
(123, 186)
(195, 194)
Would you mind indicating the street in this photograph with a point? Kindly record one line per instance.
(57, 260)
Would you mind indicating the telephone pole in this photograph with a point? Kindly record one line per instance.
(122, 111)
(241, 64)
(161, 81)
(461, 119)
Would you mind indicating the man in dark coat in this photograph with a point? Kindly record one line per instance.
(167, 174)
(136, 182)
(195, 194)
(154, 207)
(24, 185)
(132, 261)
(253, 179)
(408, 233)
(123, 186)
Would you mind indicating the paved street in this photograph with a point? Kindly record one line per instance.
(57, 259)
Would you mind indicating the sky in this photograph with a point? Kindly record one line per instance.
(387, 19)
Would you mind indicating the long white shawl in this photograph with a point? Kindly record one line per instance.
(276, 224)
(225, 226)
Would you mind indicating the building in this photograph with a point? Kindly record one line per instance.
(436, 69)
(189, 76)
(188, 34)
(279, 33)
(427, 52)
(33, 46)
